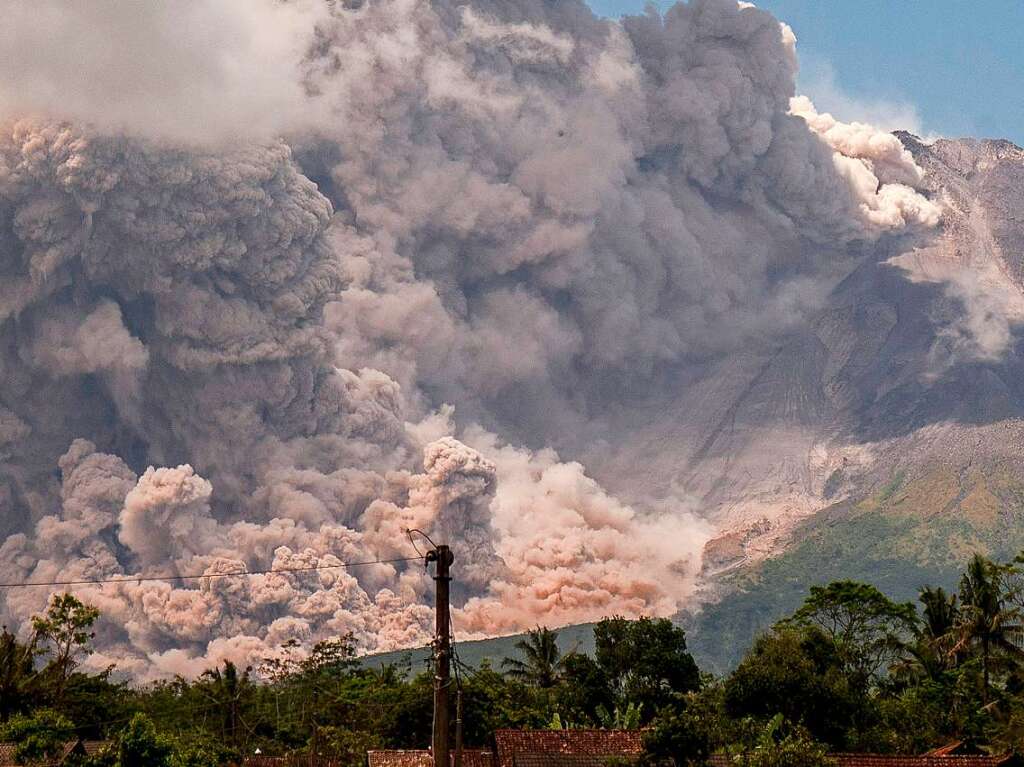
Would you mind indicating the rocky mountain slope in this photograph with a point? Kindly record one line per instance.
(885, 441)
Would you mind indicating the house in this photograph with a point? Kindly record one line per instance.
(77, 748)
(566, 748)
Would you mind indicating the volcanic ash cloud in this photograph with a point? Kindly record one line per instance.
(481, 227)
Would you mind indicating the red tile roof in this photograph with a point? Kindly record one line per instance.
(594, 748)
(879, 760)
(7, 754)
(956, 748)
(471, 757)
(566, 748)
(295, 760)
(883, 760)
(418, 758)
(93, 747)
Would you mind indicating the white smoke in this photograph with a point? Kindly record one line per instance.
(518, 208)
(211, 70)
(881, 170)
(819, 80)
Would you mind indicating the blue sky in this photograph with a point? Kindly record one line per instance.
(950, 67)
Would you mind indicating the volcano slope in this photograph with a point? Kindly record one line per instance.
(883, 443)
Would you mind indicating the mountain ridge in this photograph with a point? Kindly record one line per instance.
(908, 455)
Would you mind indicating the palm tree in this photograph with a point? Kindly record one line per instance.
(929, 654)
(940, 612)
(227, 690)
(542, 661)
(984, 620)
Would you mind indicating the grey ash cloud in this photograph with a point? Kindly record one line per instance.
(445, 236)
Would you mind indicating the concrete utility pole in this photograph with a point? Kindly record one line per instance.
(443, 557)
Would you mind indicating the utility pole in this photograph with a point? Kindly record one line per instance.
(443, 557)
(458, 725)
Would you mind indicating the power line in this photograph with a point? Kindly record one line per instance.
(200, 576)
(150, 714)
(410, 530)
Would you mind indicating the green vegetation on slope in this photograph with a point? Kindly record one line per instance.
(906, 535)
(493, 652)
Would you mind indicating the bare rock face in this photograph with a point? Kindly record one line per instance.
(886, 442)
(912, 366)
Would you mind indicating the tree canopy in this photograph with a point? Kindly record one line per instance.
(845, 672)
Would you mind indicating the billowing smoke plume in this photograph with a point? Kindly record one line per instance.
(246, 356)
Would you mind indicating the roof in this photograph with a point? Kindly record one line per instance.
(879, 760)
(93, 747)
(595, 748)
(532, 748)
(471, 757)
(295, 760)
(956, 748)
(7, 753)
(885, 760)
(417, 758)
(566, 748)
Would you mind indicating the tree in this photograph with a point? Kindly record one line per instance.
(493, 701)
(645, 661)
(315, 683)
(780, 744)
(620, 718)
(985, 621)
(867, 628)
(930, 656)
(584, 689)
(67, 628)
(37, 737)
(139, 745)
(92, 700)
(541, 664)
(676, 737)
(932, 708)
(330, 659)
(940, 612)
(19, 681)
(227, 691)
(195, 749)
(797, 672)
(349, 746)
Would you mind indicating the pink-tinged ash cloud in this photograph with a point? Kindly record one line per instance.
(451, 239)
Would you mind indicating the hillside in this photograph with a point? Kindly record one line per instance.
(487, 651)
(901, 452)
(903, 537)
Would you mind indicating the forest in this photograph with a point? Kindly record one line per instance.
(849, 671)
